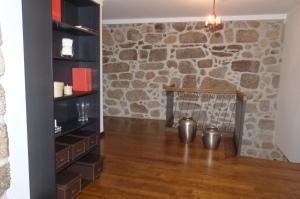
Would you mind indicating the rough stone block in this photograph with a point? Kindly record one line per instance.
(186, 67)
(189, 81)
(276, 81)
(159, 27)
(171, 64)
(2, 101)
(179, 26)
(107, 38)
(5, 178)
(218, 72)
(245, 66)
(210, 83)
(3, 147)
(143, 54)
(113, 111)
(269, 60)
(158, 55)
(138, 84)
(119, 36)
(127, 45)
(115, 94)
(2, 63)
(205, 63)
(128, 55)
(188, 53)
(136, 95)
(116, 67)
(155, 113)
(120, 84)
(266, 124)
(134, 35)
(247, 36)
(153, 38)
(127, 76)
(193, 37)
(170, 39)
(150, 75)
(138, 108)
(216, 38)
(161, 79)
(250, 81)
(151, 66)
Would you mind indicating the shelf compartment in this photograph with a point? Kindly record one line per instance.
(73, 59)
(64, 27)
(73, 125)
(75, 95)
(83, 2)
(76, 159)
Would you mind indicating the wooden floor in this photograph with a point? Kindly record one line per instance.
(143, 160)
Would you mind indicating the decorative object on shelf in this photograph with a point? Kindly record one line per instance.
(56, 10)
(187, 130)
(213, 22)
(86, 112)
(68, 90)
(57, 128)
(83, 109)
(58, 89)
(67, 47)
(85, 28)
(211, 138)
(68, 185)
(82, 79)
(89, 166)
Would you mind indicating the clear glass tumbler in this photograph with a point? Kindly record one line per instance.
(86, 111)
(81, 111)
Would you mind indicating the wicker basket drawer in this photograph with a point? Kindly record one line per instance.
(90, 138)
(68, 185)
(76, 145)
(89, 167)
(62, 156)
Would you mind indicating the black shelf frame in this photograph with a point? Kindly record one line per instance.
(73, 59)
(83, 2)
(73, 125)
(76, 94)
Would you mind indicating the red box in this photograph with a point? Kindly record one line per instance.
(82, 79)
(56, 10)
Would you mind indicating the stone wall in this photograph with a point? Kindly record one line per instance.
(140, 58)
(4, 165)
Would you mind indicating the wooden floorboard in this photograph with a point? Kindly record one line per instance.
(143, 159)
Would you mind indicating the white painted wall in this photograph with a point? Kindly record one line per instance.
(14, 85)
(137, 9)
(288, 121)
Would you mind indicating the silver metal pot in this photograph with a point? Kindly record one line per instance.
(187, 130)
(211, 138)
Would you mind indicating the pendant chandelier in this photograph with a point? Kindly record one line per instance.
(213, 22)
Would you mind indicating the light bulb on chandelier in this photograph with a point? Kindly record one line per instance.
(213, 22)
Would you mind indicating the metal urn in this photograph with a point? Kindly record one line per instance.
(211, 138)
(187, 130)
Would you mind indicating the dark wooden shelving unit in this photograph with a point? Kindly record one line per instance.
(86, 48)
(76, 94)
(43, 65)
(73, 59)
(73, 125)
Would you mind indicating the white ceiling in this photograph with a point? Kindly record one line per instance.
(137, 9)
